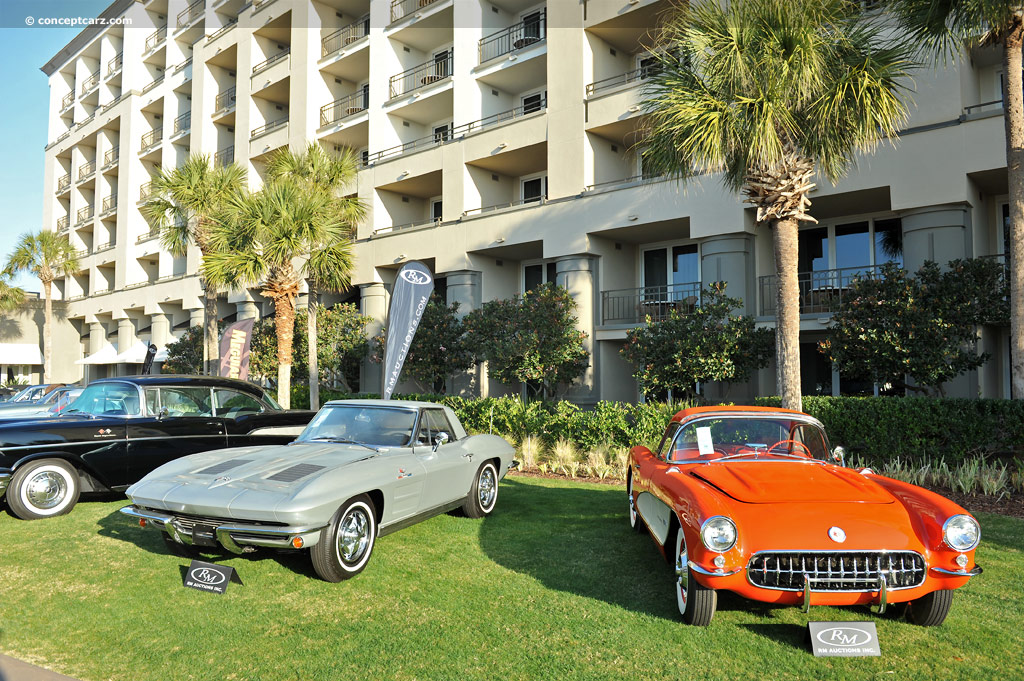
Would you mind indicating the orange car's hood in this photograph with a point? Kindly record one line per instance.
(774, 482)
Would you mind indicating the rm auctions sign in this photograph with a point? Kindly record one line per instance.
(208, 577)
(844, 639)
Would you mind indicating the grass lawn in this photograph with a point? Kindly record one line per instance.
(553, 586)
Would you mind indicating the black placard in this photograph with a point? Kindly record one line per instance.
(844, 639)
(209, 577)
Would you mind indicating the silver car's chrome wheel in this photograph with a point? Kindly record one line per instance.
(682, 572)
(346, 545)
(354, 535)
(487, 489)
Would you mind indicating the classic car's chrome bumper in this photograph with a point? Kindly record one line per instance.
(5, 479)
(973, 572)
(236, 537)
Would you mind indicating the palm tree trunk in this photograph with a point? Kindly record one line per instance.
(1013, 99)
(284, 325)
(47, 330)
(314, 369)
(211, 342)
(787, 322)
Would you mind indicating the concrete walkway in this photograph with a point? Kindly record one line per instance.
(16, 670)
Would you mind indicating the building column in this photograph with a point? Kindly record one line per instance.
(729, 258)
(125, 340)
(373, 303)
(97, 339)
(937, 233)
(246, 310)
(576, 273)
(195, 317)
(159, 330)
(464, 288)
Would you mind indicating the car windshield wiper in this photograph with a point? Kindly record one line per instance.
(343, 440)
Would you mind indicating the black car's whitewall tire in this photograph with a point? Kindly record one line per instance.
(483, 495)
(43, 489)
(696, 603)
(345, 547)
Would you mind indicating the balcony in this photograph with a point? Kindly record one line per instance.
(224, 100)
(178, 68)
(63, 223)
(153, 84)
(151, 139)
(104, 247)
(155, 38)
(527, 32)
(146, 191)
(86, 170)
(433, 140)
(86, 121)
(190, 13)
(504, 116)
(69, 98)
(222, 30)
(110, 105)
(92, 81)
(109, 205)
(115, 64)
(183, 123)
(343, 37)
(421, 76)
(151, 234)
(63, 183)
(111, 157)
(257, 5)
(269, 127)
(83, 215)
(821, 291)
(633, 76)
(983, 110)
(402, 8)
(343, 108)
(507, 205)
(264, 65)
(224, 157)
(648, 303)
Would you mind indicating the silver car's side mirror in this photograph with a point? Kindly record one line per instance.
(839, 456)
(440, 439)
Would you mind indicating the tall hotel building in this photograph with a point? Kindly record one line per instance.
(499, 141)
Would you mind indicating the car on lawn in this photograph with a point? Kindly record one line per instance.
(119, 429)
(361, 469)
(752, 500)
(52, 404)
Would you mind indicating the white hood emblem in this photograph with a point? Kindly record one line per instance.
(836, 534)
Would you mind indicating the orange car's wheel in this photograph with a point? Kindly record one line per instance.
(634, 518)
(696, 602)
(931, 609)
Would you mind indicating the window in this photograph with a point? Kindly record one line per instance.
(432, 422)
(435, 210)
(442, 64)
(107, 399)
(231, 403)
(670, 432)
(852, 247)
(672, 273)
(535, 275)
(442, 133)
(534, 102)
(533, 28)
(366, 90)
(186, 401)
(647, 65)
(535, 189)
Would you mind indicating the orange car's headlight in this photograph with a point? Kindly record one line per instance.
(961, 532)
(718, 533)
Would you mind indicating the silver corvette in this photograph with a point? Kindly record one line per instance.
(361, 469)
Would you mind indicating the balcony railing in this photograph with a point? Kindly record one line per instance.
(633, 179)
(63, 183)
(257, 5)
(422, 75)
(156, 81)
(86, 170)
(109, 204)
(993, 107)
(190, 13)
(400, 8)
(63, 223)
(83, 215)
(151, 234)
(86, 121)
(224, 100)
(511, 114)
(269, 127)
(410, 225)
(154, 38)
(110, 105)
(821, 291)
(178, 68)
(68, 99)
(104, 247)
(422, 143)
(115, 64)
(146, 191)
(344, 36)
(222, 30)
(344, 107)
(81, 253)
(111, 156)
(636, 305)
(92, 81)
(264, 65)
(183, 123)
(531, 30)
(152, 138)
(533, 200)
(633, 76)
(225, 156)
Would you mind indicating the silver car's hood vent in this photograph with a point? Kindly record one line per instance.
(223, 466)
(296, 472)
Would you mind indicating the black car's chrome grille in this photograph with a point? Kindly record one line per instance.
(223, 466)
(295, 472)
(836, 570)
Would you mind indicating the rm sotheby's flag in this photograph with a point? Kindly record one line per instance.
(413, 287)
(234, 349)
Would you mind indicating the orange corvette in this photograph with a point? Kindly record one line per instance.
(752, 500)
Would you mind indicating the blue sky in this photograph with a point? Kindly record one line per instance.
(23, 119)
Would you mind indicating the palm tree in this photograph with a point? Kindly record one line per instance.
(10, 296)
(321, 172)
(48, 255)
(770, 92)
(945, 28)
(184, 204)
(260, 238)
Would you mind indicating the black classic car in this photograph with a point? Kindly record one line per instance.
(119, 429)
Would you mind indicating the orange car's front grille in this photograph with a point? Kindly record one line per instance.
(835, 570)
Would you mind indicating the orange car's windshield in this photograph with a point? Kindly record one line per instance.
(748, 437)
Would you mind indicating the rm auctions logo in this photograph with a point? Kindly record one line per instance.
(204, 575)
(844, 637)
(416, 277)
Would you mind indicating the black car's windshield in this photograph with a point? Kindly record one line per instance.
(107, 399)
(749, 437)
(361, 424)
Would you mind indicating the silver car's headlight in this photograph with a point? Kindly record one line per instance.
(718, 533)
(961, 533)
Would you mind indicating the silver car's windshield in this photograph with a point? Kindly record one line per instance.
(361, 424)
(749, 437)
(107, 399)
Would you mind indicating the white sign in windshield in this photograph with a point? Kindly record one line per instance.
(704, 445)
